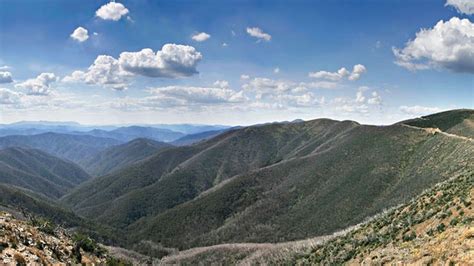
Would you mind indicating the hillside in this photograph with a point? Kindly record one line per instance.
(38, 242)
(66, 146)
(121, 156)
(340, 184)
(38, 171)
(435, 227)
(459, 122)
(176, 175)
(272, 183)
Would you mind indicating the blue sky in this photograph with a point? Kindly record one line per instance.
(261, 61)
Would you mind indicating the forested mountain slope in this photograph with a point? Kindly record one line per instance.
(275, 182)
(38, 171)
(121, 156)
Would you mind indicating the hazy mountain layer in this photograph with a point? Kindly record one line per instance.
(66, 146)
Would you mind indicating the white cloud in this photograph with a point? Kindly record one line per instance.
(105, 71)
(172, 61)
(5, 77)
(221, 84)
(200, 37)
(39, 85)
(244, 77)
(419, 110)
(80, 34)
(320, 85)
(357, 71)
(258, 33)
(9, 97)
(448, 44)
(276, 70)
(360, 98)
(224, 44)
(376, 99)
(341, 74)
(2, 68)
(111, 11)
(462, 6)
(182, 95)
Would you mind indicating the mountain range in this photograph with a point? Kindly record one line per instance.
(273, 182)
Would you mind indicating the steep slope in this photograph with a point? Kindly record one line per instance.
(435, 227)
(275, 182)
(35, 242)
(459, 122)
(39, 171)
(176, 175)
(71, 147)
(121, 156)
(23, 202)
(338, 185)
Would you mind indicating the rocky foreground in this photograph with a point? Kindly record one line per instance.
(39, 242)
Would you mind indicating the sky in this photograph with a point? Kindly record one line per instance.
(234, 62)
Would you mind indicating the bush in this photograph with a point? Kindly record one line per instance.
(87, 244)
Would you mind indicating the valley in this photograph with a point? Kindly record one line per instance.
(300, 192)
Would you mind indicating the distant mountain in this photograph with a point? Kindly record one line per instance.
(66, 146)
(197, 137)
(38, 171)
(121, 156)
(459, 122)
(189, 128)
(271, 183)
(158, 134)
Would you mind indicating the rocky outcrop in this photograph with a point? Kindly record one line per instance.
(37, 242)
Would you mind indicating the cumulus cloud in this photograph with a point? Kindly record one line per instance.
(183, 95)
(276, 70)
(172, 61)
(80, 34)
(259, 34)
(111, 11)
(419, 110)
(357, 71)
(341, 74)
(462, 6)
(8, 97)
(221, 84)
(5, 77)
(448, 45)
(39, 85)
(200, 37)
(104, 71)
(375, 99)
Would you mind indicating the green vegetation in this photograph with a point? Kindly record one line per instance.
(39, 171)
(271, 183)
(396, 225)
(121, 156)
